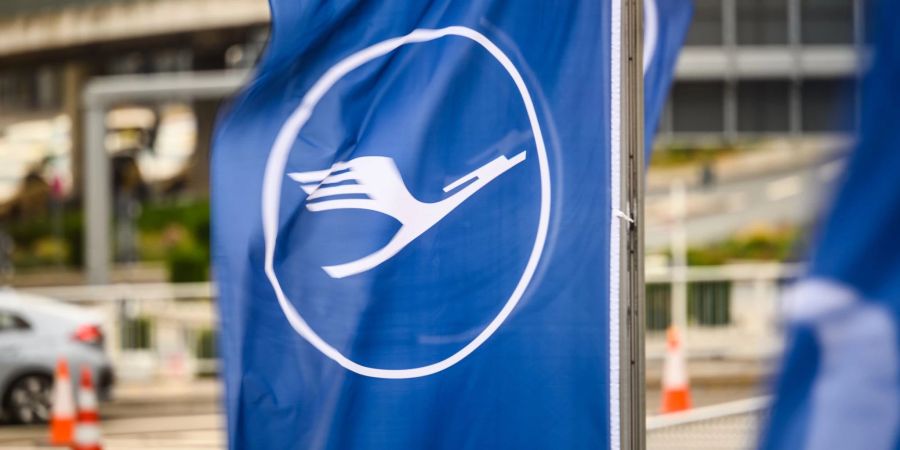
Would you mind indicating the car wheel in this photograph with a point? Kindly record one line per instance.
(28, 399)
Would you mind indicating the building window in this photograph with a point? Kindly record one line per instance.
(763, 106)
(19, 90)
(706, 24)
(46, 85)
(762, 22)
(828, 105)
(826, 22)
(698, 107)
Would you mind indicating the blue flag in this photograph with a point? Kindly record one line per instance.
(840, 386)
(414, 218)
(666, 24)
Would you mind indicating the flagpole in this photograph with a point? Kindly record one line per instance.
(631, 302)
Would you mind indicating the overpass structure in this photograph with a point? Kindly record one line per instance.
(80, 58)
(30, 26)
(50, 49)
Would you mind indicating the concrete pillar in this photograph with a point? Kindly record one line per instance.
(795, 33)
(729, 44)
(74, 77)
(97, 196)
(198, 175)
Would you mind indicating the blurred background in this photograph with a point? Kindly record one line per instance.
(106, 110)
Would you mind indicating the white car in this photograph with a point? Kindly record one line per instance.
(35, 332)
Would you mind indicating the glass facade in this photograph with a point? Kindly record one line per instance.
(706, 24)
(826, 22)
(698, 107)
(739, 95)
(828, 105)
(763, 106)
(772, 22)
(11, 7)
(762, 22)
(28, 90)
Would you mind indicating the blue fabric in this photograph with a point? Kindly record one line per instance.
(388, 140)
(787, 425)
(673, 17)
(859, 234)
(856, 248)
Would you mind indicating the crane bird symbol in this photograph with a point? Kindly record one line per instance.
(378, 179)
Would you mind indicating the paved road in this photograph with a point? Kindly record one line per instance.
(188, 417)
(704, 396)
(718, 211)
(165, 416)
(197, 431)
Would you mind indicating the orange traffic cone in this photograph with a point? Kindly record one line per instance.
(676, 391)
(62, 419)
(87, 430)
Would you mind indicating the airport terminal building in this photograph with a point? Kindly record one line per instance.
(750, 69)
(754, 68)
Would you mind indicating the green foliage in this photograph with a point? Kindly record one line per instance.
(27, 232)
(206, 344)
(155, 217)
(176, 232)
(188, 263)
(33, 238)
(683, 155)
(180, 233)
(73, 233)
(135, 333)
(760, 245)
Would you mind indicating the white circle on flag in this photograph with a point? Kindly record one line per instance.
(275, 172)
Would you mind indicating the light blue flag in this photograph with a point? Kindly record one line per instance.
(414, 228)
(840, 384)
(666, 24)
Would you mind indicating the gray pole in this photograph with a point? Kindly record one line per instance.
(679, 257)
(97, 195)
(97, 96)
(631, 316)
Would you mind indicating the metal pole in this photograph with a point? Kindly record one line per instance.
(795, 41)
(97, 195)
(729, 84)
(678, 241)
(631, 314)
(97, 96)
(859, 46)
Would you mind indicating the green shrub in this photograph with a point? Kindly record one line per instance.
(684, 155)
(188, 263)
(206, 344)
(26, 233)
(760, 245)
(136, 334)
(184, 225)
(200, 230)
(155, 217)
(73, 233)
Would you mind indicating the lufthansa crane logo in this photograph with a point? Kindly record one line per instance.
(377, 178)
(375, 183)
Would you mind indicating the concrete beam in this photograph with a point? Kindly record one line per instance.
(99, 95)
(105, 91)
(776, 62)
(92, 24)
(97, 198)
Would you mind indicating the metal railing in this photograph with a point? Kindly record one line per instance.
(731, 310)
(152, 329)
(168, 329)
(727, 426)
